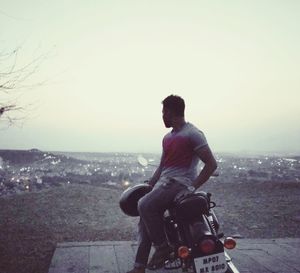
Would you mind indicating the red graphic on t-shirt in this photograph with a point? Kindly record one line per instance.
(178, 152)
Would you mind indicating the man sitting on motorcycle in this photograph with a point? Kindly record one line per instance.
(183, 147)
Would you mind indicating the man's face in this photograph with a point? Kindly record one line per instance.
(167, 117)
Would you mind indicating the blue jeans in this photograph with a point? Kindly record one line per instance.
(151, 209)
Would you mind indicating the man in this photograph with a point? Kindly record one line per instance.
(183, 147)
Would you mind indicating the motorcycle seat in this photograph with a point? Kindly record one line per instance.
(192, 206)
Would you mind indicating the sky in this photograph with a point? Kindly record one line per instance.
(106, 66)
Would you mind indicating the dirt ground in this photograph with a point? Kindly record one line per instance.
(31, 224)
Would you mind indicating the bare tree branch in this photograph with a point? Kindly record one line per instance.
(14, 79)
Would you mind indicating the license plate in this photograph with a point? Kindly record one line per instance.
(215, 263)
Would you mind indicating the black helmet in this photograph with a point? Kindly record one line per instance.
(130, 197)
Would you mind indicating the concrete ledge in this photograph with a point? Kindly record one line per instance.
(280, 255)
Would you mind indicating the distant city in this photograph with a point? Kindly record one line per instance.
(33, 170)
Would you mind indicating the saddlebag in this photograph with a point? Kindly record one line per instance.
(191, 207)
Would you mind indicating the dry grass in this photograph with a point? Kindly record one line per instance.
(32, 223)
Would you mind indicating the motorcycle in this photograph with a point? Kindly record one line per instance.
(192, 230)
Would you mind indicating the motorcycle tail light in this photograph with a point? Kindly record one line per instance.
(183, 252)
(207, 246)
(229, 243)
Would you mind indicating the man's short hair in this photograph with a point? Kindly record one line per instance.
(175, 104)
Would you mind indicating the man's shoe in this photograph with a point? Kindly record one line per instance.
(159, 257)
(137, 270)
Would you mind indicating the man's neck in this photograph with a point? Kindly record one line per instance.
(178, 123)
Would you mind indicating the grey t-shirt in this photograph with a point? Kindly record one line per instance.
(179, 159)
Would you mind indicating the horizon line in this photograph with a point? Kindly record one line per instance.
(241, 152)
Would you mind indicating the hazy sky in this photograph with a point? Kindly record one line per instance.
(109, 64)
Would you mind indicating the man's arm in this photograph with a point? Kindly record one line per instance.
(157, 173)
(210, 166)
